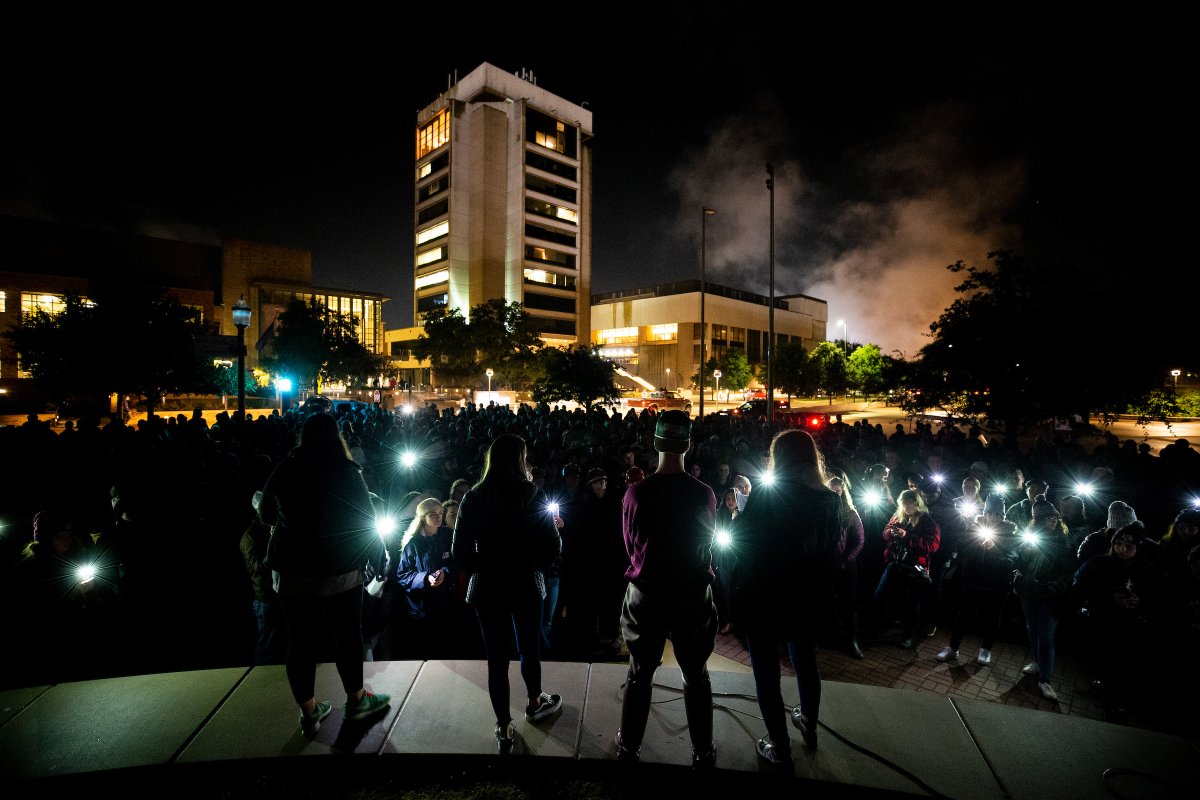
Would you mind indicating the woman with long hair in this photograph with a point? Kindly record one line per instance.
(1042, 578)
(910, 537)
(785, 540)
(845, 577)
(323, 537)
(428, 577)
(506, 538)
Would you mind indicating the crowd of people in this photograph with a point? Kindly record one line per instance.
(141, 549)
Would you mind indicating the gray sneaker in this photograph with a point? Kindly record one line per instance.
(547, 705)
(773, 754)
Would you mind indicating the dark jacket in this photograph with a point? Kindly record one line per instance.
(984, 567)
(420, 557)
(786, 550)
(324, 524)
(850, 540)
(506, 538)
(1045, 569)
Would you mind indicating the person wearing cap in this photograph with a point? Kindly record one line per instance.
(1122, 591)
(593, 573)
(1119, 515)
(786, 546)
(1042, 578)
(984, 573)
(667, 522)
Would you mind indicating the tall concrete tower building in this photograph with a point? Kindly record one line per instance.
(503, 202)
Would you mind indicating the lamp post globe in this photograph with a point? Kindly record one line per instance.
(717, 388)
(241, 321)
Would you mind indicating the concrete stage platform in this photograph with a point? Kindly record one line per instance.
(167, 733)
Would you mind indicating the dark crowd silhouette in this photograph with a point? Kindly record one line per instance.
(138, 549)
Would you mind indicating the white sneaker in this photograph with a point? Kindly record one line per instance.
(1048, 691)
(947, 654)
(985, 656)
(1031, 668)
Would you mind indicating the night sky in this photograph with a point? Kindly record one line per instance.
(901, 143)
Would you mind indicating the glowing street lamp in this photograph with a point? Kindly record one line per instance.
(490, 372)
(717, 388)
(282, 387)
(845, 335)
(668, 379)
(1175, 377)
(241, 321)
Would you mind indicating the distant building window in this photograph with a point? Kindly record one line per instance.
(46, 303)
(432, 279)
(433, 134)
(610, 336)
(548, 255)
(434, 211)
(544, 209)
(545, 302)
(553, 134)
(549, 234)
(541, 276)
(429, 234)
(564, 327)
(663, 333)
(435, 164)
(427, 304)
(431, 256)
(556, 190)
(3, 302)
(551, 165)
(433, 187)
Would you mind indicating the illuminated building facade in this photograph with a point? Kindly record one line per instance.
(503, 202)
(655, 329)
(42, 262)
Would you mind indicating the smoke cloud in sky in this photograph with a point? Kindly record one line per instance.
(876, 246)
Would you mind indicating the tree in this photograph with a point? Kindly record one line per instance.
(735, 372)
(1026, 342)
(793, 373)
(313, 343)
(865, 369)
(577, 373)
(828, 364)
(500, 336)
(127, 338)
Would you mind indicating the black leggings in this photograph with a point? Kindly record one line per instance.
(310, 619)
(498, 622)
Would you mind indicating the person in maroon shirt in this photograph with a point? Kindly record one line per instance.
(667, 520)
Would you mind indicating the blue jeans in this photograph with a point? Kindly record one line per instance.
(549, 607)
(499, 619)
(912, 591)
(271, 645)
(764, 662)
(1040, 625)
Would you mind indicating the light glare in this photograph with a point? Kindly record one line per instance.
(724, 539)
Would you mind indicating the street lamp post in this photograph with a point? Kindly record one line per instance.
(489, 374)
(668, 379)
(845, 336)
(241, 320)
(1174, 377)
(717, 387)
(705, 213)
(771, 306)
(282, 387)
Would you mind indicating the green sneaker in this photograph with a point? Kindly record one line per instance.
(311, 723)
(367, 707)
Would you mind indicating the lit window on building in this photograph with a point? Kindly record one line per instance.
(544, 209)
(434, 133)
(429, 234)
(610, 336)
(47, 303)
(424, 169)
(663, 333)
(432, 279)
(549, 256)
(550, 279)
(430, 256)
(3, 302)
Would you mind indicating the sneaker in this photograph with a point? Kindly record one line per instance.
(367, 707)
(930, 630)
(623, 752)
(907, 644)
(506, 737)
(311, 723)
(706, 760)
(947, 654)
(985, 656)
(547, 705)
(808, 730)
(1048, 691)
(1031, 668)
(771, 753)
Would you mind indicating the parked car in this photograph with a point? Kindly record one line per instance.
(316, 404)
(661, 400)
